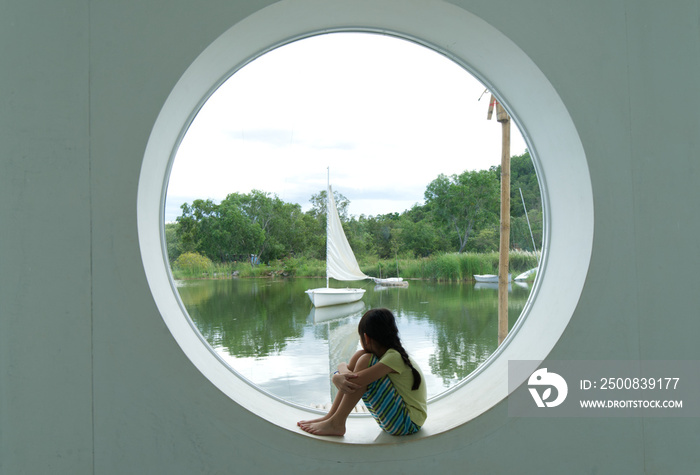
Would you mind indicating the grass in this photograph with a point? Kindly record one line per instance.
(451, 267)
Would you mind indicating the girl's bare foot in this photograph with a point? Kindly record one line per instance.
(325, 427)
(320, 419)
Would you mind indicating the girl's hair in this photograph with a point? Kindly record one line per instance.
(380, 325)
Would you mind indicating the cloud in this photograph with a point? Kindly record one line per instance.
(273, 137)
(386, 115)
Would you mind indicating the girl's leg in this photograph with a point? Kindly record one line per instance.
(334, 422)
(331, 411)
(353, 360)
(338, 397)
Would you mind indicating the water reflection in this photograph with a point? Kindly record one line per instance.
(268, 331)
(343, 339)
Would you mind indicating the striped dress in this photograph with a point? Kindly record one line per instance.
(384, 400)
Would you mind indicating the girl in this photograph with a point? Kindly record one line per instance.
(383, 376)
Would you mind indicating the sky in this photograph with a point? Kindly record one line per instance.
(385, 116)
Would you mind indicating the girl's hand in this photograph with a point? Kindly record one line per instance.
(344, 384)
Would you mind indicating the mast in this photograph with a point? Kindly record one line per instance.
(534, 248)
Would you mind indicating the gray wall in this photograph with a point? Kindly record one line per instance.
(91, 381)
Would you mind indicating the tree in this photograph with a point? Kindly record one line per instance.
(316, 221)
(460, 213)
(486, 239)
(172, 241)
(360, 237)
(281, 225)
(463, 202)
(192, 229)
(236, 234)
(192, 263)
(318, 201)
(220, 232)
(420, 234)
(524, 179)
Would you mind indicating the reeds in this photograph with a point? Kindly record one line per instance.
(449, 267)
(452, 267)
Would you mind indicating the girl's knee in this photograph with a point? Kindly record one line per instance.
(364, 361)
(353, 363)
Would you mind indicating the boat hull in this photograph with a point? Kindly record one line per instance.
(391, 282)
(325, 296)
(336, 312)
(489, 278)
(526, 275)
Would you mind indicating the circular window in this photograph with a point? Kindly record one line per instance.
(394, 121)
(540, 115)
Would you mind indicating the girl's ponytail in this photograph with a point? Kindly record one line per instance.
(407, 360)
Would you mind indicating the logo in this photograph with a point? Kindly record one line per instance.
(542, 379)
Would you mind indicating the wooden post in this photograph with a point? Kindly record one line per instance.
(504, 244)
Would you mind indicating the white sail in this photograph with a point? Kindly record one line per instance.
(340, 260)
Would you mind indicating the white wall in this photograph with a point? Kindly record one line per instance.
(91, 381)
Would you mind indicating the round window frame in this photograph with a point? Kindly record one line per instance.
(487, 54)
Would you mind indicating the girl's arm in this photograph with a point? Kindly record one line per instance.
(371, 374)
(349, 382)
(343, 378)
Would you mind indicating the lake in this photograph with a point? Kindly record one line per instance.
(269, 333)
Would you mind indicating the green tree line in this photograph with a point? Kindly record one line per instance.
(460, 214)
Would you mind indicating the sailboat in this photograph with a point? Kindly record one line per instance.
(489, 278)
(390, 281)
(340, 262)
